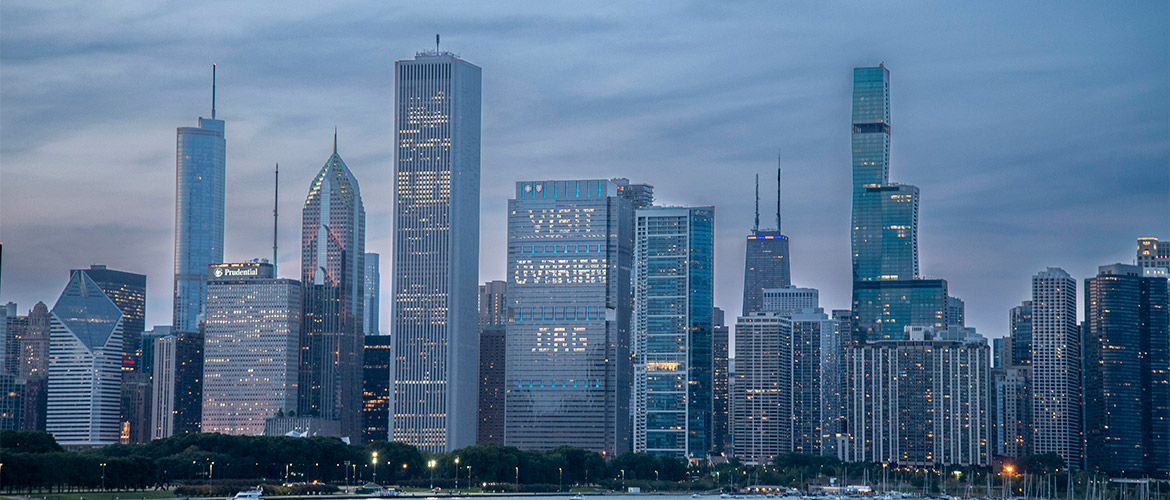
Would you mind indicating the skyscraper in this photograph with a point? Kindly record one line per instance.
(377, 363)
(761, 396)
(250, 347)
(333, 270)
(766, 264)
(1056, 366)
(11, 332)
(674, 261)
(956, 310)
(1152, 252)
(199, 213)
(883, 309)
(85, 357)
(436, 250)
(163, 404)
(790, 299)
(373, 295)
(128, 291)
(1127, 390)
(1013, 411)
(1020, 330)
(570, 251)
(817, 360)
(493, 353)
(34, 367)
(720, 384)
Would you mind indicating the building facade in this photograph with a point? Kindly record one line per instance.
(1013, 411)
(1152, 252)
(790, 299)
(436, 250)
(1056, 367)
(817, 361)
(128, 291)
(377, 363)
(250, 349)
(567, 369)
(1127, 372)
(333, 271)
(493, 353)
(85, 361)
(883, 309)
(372, 296)
(1020, 331)
(720, 384)
(163, 403)
(761, 394)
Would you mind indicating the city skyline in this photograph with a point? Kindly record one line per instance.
(969, 195)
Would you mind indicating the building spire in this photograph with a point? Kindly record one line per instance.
(212, 91)
(777, 191)
(275, 205)
(756, 226)
(334, 140)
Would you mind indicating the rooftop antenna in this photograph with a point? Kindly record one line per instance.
(275, 204)
(756, 227)
(212, 91)
(777, 191)
(334, 140)
(436, 43)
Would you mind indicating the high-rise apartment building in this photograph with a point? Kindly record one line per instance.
(766, 264)
(790, 299)
(1127, 372)
(817, 361)
(883, 309)
(568, 371)
(436, 250)
(372, 296)
(1056, 367)
(1013, 411)
(493, 353)
(333, 270)
(251, 342)
(720, 383)
(919, 403)
(1153, 253)
(164, 372)
(761, 395)
(199, 213)
(674, 264)
(377, 363)
(1020, 331)
(85, 358)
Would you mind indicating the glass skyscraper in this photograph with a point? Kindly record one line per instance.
(199, 214)
(128, 291)
(377, 363)
(567, 368)
(333, 274)
(1020, 323)
(436, 250)
(373, 295)
(883, 309)
(674, 260)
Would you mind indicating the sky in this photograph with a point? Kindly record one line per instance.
(1038, 132)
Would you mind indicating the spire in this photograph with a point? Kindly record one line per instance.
(334, 140)
(756, 226)
(777, 191)
(275, 204)
(212, 91)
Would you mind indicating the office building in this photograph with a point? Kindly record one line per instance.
(34, 345)
(493, 307)
(883, 309)
(567, 369)
(493, 352)
(766, 264)
(1056, 367)
(11, 402)
(1127, 372)
(1153, 253)
(919, 403)
(720, 384)
(886, 236)
(376, 365)
(372, 295)
(12, 331)
(199, 213)
(164, 384)
(251, 341)
(333, 270)
(790, 299)
(1013, 411)
(436, 250)
(135, 426)
(85, 358)
(817, 360)
(674, 263)
(844, 319)
(761, 395)
(146, 347)
(1020, 330)
(956, 310)
(128, 291)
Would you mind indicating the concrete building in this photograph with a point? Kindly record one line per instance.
(1056, 367)
(817, 361)
(761, 394)
(1152, 252)
(790, 299)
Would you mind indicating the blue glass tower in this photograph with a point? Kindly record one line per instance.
(199, 213)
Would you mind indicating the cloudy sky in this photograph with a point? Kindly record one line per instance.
(1038, 132)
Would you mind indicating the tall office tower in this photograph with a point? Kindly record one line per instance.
(85, 357)
(11, 402)
(187, 412)
(146, 344)
(817, 360)
(570, 253)
(674, 264)
(766, 264)
(1127, 372)
(436, 250)
(956, 309)
(790, 299)
(15, 328)
(844, 319)
(720, 404)
(493, 352)
(34, 367)
(4, 314)
(164, 385)
(136, 407)
(199, 213)
(377, 362)
(128, 291)
(919, 403)
(1056, 366)
(372, 295)
(333, 269)
(1153, 253)
(1020, 330)
(761, 396)
(883, 309)
(1013, 411)
(251, 339)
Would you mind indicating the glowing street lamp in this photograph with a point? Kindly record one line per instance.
(457, 473)
(431, 465)
(374, 461)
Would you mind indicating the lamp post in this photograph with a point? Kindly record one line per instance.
(623, 480)
(1008, 469)
(470, 484)
(211, 472)
(560, 478)
(431, 465)
(403, 471)
(103, 464)
(375, 463)
(456, 473)
(656, 480)
(517, 475)
(286, 466)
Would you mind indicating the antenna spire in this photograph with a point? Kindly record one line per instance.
(275, 204)
(436, 43)
(334, 140)
(212, 91)
(756, 226)
(777, 191)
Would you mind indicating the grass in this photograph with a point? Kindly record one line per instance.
(106, 495)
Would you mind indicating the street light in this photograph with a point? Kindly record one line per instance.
(431, 465)
(560, 478)
(103, 464)
(623, 480)
(211, 472)
(286, 466)
(517, 474)
(375, 462)
(457, 473)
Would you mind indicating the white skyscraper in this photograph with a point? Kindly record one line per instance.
(436, 251)
(251, 347)
(85, 360)
(1056, 366)
(761, 393)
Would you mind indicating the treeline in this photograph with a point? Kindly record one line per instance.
(33, 461)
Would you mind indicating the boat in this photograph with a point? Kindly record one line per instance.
(578, 497)
(249, 495)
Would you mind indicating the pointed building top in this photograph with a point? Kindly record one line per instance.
(212, 91)
(334, 140)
